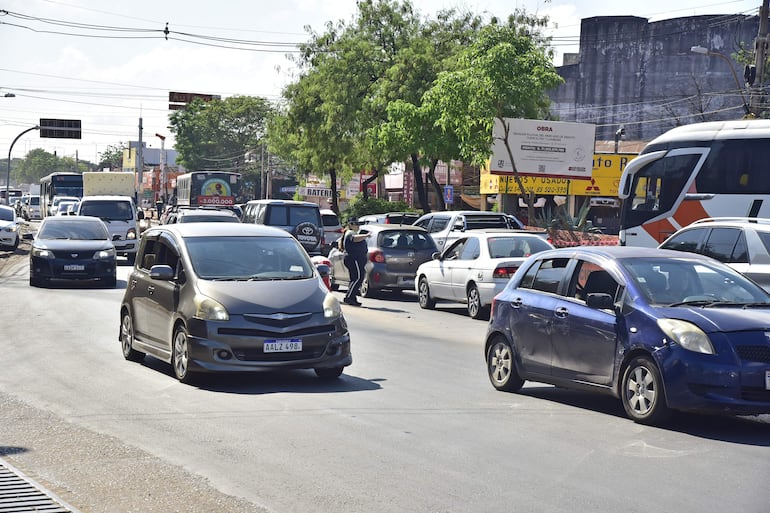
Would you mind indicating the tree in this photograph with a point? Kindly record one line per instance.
(112, 157)
(219, 134)
(37, 164)
(504, 73)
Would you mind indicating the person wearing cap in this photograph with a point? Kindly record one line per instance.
(356, 250)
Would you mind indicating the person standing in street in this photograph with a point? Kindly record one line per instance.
(356, 250)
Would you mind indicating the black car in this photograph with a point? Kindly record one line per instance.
(72, 248)
(231, 297)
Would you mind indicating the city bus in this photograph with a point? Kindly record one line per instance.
(13, 194)
(59, 184)
(212, 188)
(712, 169)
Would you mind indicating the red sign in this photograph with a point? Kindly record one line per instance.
(217, 201)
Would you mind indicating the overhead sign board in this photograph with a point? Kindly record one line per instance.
(178, 100)
(543, 148)
(604, 180)
(60, 128)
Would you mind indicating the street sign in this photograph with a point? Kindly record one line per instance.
(178, 101)
(60, 128)
(449, 194)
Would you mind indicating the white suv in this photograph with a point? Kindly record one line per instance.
(743, 243)
(332, 229)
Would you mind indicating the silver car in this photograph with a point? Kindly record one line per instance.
(230, 297)
(475, 268)
(743, 243)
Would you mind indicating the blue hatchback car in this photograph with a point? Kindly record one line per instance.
(661, 330)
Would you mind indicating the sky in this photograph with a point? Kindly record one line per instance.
(109, 64)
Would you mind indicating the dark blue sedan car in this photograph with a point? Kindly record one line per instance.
(661, 330)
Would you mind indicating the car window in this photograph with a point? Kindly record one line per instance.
(547, 275)
(722, 243)
(590, 278)
(423, 223)
(472, 249)
(765, 238)
(299, 215)
(688, 240)
(73, 230)
(7, 214)
(439, 223)
(330, 220)
(453, 251)
(516, 247)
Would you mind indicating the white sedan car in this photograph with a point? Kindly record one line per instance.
(475, 268)
(10, 233)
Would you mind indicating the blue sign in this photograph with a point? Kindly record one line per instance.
(449, 194)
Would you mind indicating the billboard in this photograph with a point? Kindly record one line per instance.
(604, 180)
(543, 148)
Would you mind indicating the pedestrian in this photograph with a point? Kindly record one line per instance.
(356, 250)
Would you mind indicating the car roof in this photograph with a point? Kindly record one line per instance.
(283, 202)
(219, 229)
(745, 222)
(623, 253)
(206, 211)
(381, 227)
(70, 219)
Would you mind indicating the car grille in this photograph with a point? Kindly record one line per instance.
(754, 353)
(257, 355)
(266, 333)
(759, 395)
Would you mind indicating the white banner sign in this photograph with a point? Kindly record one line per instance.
(544, 148)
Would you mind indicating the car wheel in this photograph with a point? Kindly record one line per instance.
(501, 366)
(127, 339)
(423, 294)
(329, 373)
(642, 392)
(180, 355)
(365, 290)
(475, 310)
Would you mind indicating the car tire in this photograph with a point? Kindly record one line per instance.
(501, 366)
(127, 339)
(180, 355)
(365, 290)
(475, 309)
(423, 295)
(329, 372)
(642, 392)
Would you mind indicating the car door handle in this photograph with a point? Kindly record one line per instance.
(150, 289)
(561, 312)
(516, 303)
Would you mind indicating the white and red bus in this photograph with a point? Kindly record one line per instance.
(208, 188)
(713, 169)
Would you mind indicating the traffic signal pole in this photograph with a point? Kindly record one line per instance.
(8, 174)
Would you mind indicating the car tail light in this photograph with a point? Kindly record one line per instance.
(376, 277)
(377, 257)
(504, 272)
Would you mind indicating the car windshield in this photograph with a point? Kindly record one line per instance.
(108, 210)
(73, 229)
(679, 282)
(248, 258)
(405, 239)
(7, 214)
(506, 247)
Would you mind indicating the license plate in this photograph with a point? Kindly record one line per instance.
(406, 281)
(767, 380)
(74, 267)
(288, 345)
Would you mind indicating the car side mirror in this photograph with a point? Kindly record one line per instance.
(435, 255)
(161, 272)
(600, 301)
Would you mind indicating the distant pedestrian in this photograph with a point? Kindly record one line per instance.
(356, 250)
(159, 206)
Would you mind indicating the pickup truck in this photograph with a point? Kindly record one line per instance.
(446, 227)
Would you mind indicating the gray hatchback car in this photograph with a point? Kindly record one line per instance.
(230, 297)
(394, 254)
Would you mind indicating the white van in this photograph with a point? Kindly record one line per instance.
(120, 215)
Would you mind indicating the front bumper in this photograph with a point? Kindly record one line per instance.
(238, 346)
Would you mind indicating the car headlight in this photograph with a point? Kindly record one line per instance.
(42, 253)
(105, 254)
(131, 234)
(332, 308)
(687, 335)
(10, 229)
(209, 309)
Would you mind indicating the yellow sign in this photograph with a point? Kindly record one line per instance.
(605, 179)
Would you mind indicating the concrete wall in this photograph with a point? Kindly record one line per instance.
(643, 75)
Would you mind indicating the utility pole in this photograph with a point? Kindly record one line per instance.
(760, 49)
(139, 168)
